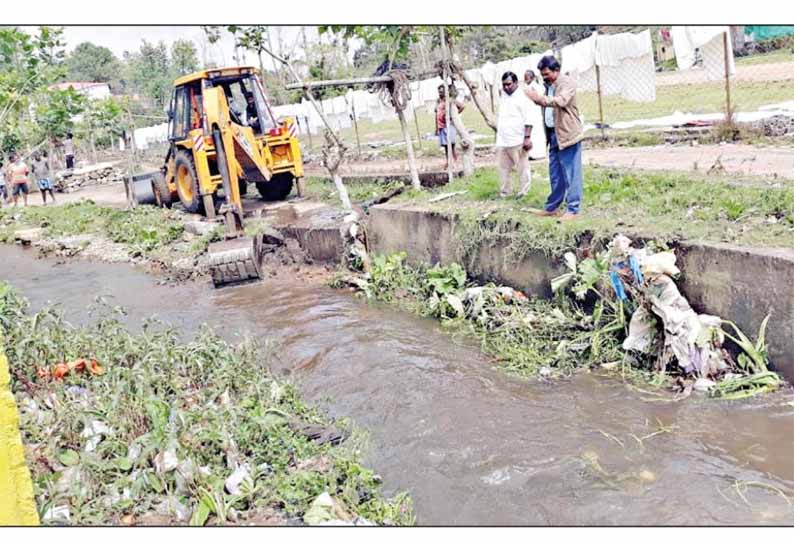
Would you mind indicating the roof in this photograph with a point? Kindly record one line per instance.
(205, 74)
(78, 85)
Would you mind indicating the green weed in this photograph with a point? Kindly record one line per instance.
(176, 417)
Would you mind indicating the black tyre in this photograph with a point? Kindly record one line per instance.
(187, 186)
(278, 188)
(243, 188)
(162, 194)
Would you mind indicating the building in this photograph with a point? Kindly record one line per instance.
(92, 91)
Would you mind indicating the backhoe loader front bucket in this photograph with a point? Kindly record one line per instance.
(236, 260)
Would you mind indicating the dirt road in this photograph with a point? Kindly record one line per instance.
(773, 71)
(735, 159)
(728, 159)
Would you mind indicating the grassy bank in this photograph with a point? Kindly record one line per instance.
(146, 232)
(156, 434)
(666, 207)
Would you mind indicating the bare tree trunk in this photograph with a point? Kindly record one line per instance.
(334, 149)
(489, 120)
(93, 144)
(466, 143)
(445, 78)
(340, 187)
(410, 148)
(129, 184)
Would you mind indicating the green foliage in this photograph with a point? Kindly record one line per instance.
(206, 403)
(89, 62)
(28, 65)
(184, 58)
(397, 38)
(55, 112)
(104, 119)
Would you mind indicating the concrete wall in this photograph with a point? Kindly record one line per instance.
(744, 285)
(735, 283)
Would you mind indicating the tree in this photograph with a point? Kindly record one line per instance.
(89, 62)
(398, 39)
(147, 72)
(55, 114)
(103, 121)
(184, 58)
(28, 65)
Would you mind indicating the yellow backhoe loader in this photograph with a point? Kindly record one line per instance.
(223, 136)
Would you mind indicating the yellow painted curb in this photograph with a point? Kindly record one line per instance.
(17, 504)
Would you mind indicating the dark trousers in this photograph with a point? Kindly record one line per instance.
(565, 175)
(69, 161)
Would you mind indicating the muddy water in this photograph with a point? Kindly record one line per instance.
(472, 445)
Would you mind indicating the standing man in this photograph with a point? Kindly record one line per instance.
(19, 179)
(538, 150)
(564, 134)
(442, 131)
(41, 172)
(531, 80)
(513, 137)
(68, 151)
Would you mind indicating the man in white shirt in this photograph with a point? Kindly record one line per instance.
(513, 137)
(538, 150)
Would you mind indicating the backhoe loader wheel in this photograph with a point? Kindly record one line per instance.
(277, 188)
(162, 194)
(187, 185)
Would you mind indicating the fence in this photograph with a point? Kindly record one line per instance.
(644, 80)
(686, 76)
(701, 84)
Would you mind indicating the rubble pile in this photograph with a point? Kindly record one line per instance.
(776, 126)
(70, 180)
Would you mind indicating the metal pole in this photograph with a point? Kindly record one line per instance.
(355, 124)
(728, 116)
(600, 105)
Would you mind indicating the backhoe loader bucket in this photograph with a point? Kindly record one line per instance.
(236, 260)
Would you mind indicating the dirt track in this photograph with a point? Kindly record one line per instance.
(774, 71)
(748, 160)
(768, 162)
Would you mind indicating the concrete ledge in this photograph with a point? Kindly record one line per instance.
(736, 283)
(744, 284)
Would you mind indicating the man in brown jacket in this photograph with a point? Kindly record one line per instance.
(564, 135)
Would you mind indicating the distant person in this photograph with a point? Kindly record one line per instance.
(564, 135)
(513, 137)
(3, 192)
(532, 81)
(19, 179)
(538, 150)
(68, 151)
(41, 172)
(443, 132)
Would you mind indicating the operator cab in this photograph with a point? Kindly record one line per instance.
(247, 104)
